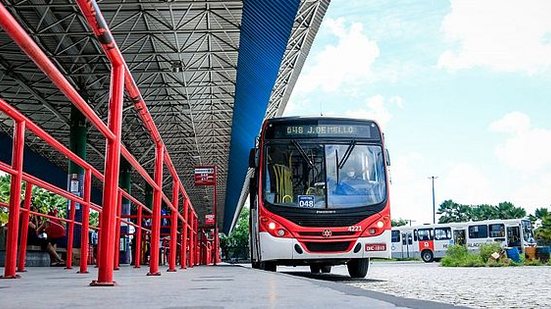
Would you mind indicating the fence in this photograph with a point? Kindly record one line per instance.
(110, 209)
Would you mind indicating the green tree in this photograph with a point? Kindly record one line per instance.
(399, 222)
(543, 233)
(44, 201)
(483, 212)
(4, 198)
(541, 212)
(506, 210)
(236, 245)
(451, 211)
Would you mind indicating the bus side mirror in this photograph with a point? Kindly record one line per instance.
(253, 158)
(387, 157)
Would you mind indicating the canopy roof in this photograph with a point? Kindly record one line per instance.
(209, 71)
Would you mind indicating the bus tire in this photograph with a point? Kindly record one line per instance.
(427, 256)
(315, 269)
(357, 268)
(326, 269)
(268, 266)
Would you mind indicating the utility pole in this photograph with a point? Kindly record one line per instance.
(433, 201)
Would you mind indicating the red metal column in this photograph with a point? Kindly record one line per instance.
(156, 216)
(110, 187)
(195, 243)
(98, 251)
(183, 235)
(138, 240)
(24, 229)
(117, 248)
(70, 233)
(84, 231)
(173, 227)
(215, 236)
(197, 237)
(191, 241)
(15, 198)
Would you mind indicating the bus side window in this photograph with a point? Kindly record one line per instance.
(497, 230)
(410, 241)
(395, 236)
(478, 231)
(404, 239)
(415, 237)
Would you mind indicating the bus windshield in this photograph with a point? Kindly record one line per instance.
(322, 175)
(527, 231)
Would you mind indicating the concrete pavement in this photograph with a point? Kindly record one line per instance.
(223, 286)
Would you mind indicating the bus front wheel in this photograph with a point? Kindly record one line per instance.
(427, 256)
(315, 269)
(268, 266)
(357, 268)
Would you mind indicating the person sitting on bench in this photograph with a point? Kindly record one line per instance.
(45, 233)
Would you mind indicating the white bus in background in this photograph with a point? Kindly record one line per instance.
(430, 242)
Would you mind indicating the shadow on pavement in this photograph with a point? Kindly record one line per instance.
(329, 277)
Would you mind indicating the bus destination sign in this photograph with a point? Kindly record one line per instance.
(322, 130)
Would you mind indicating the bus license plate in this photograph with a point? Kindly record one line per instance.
(375, 247)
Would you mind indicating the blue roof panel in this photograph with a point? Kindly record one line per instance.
(265, 29)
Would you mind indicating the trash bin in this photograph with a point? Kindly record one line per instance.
(542, 253)
(513, 254)
(530, 253)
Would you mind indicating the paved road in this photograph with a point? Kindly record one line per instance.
(201, 287)
(510, 287)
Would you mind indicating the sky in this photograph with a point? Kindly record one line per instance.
(461, 89)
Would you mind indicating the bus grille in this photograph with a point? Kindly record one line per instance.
(319, 234)
(338, 246)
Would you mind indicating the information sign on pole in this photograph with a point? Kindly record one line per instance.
(209, 219)
(204, 176)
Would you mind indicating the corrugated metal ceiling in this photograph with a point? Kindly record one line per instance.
(184, 57)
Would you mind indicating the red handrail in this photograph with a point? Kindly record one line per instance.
(121, 78)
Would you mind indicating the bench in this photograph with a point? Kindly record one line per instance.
(35, 257)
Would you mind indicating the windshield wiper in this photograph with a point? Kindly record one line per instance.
(347, 154)
(304, 154)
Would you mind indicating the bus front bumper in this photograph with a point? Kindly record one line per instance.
(275, 248)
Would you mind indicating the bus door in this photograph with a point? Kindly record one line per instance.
(396, 240)
(407, 245)
(442, 240)
(459, 237)
(513, 236)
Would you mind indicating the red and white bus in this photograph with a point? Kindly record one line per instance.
(430, 242)
(319, 195)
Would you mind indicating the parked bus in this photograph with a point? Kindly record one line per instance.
(430, 242)
(319, 195)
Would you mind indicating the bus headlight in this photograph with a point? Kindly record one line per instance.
(273, 227)
(380, 224)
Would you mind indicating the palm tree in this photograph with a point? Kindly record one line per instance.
(451, 211)
(541, 212)
(506, 210)
(543, 234)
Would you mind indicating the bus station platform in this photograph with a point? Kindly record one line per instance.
(222, 286)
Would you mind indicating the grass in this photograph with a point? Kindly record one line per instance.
(459, 256)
